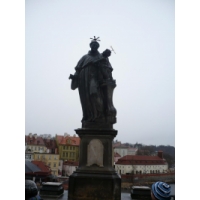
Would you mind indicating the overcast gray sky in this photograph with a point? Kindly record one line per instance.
(142, 33)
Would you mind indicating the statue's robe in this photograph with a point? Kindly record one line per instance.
(88, 78)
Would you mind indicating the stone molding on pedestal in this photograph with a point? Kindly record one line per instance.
(95, 177)
(95, 153)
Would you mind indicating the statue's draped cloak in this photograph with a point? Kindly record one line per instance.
(89, 78)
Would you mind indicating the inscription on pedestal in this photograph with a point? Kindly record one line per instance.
(95, 153)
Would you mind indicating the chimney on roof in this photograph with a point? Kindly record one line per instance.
(160, 154)
(66, 134)
(74, 135)
(35, 135)
(30, 135)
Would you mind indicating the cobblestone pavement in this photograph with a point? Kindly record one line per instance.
(124, 196)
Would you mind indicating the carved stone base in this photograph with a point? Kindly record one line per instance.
(89, 186)
(95, 177)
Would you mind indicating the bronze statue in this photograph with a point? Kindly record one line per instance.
(93, 78)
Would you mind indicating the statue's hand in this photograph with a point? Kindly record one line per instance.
(71, 76)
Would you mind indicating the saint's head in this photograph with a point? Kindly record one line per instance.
(94, 45)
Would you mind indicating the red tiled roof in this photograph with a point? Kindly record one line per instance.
(34, 141)
(71, 163)
(75, 141)
(140, 160)
(50, 143)
(116, 154)
(42, 166)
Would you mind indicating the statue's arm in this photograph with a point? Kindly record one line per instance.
(75, 77)
(74, 83)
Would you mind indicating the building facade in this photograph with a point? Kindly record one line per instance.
(29, 156)
(69, 167)
(132, 151)
(68, 147)
(121, 150)
(116, 157)
(135, 164)
(35, 143)
(52, 151)
(51, 160)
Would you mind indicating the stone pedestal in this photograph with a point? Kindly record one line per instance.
(95, 177)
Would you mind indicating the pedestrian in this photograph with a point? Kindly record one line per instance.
(160, 191)
(31, 191)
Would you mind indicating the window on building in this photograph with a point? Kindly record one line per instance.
(63, 154)
(54, 164)
(55, 157)
(49, 164)
(28, 156)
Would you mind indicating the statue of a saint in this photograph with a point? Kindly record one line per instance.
(93, 78)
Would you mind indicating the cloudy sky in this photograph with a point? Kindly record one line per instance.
(142, 33)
